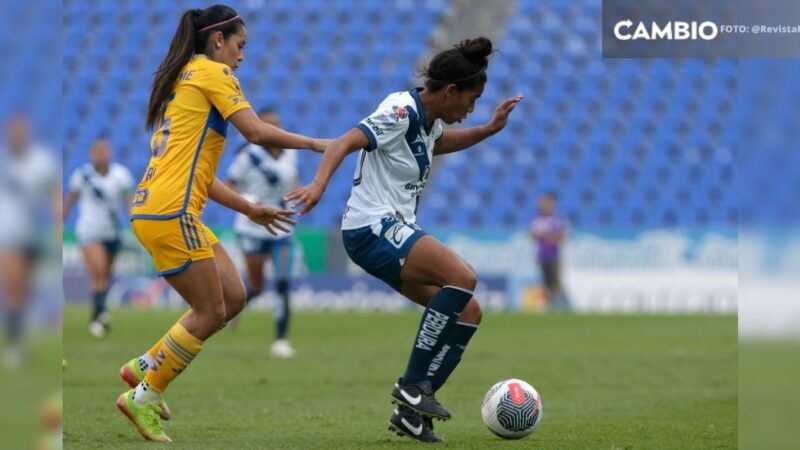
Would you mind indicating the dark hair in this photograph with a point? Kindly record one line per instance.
(463, 65)
(191, 37)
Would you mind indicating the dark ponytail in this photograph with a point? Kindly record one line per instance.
(187, 42)
(463, 65)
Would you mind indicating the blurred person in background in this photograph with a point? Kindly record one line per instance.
(29, 193)
(193, 97)
(379, 229)
(549, 229)
(99, 187)
(264, 175)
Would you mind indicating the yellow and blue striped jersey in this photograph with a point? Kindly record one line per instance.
(186, 148)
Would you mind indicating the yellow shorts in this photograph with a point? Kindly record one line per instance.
(175, 243)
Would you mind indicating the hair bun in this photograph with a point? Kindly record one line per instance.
(476, 50)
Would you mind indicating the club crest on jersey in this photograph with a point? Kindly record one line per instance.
(398, 234)
(140, 197)
(400, 112)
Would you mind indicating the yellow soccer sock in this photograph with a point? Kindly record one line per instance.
(177, 350)
(146, 360)
(153, 352)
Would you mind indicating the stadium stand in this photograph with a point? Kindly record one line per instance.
(30, 83)
(625, 143)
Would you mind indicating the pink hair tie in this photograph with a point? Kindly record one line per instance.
(218, 24)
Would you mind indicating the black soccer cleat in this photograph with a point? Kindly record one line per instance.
(419, 397)
(405, 422)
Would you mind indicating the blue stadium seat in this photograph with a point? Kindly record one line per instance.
(620, 140)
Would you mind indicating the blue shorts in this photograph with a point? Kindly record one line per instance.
(253, 246)
(112, 246)
(380, 249)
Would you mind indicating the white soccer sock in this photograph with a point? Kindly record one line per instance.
(144, 394)
(146, 362)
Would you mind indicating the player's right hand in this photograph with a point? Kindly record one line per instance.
(306, 196)
(271, 218)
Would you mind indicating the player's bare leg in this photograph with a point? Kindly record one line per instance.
(430, 263)
(233, 291)
(16, 269)
(98, 264)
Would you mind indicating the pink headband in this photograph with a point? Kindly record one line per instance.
(218, 24)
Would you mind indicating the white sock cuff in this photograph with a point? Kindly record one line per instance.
(458, 289)
(473, 325)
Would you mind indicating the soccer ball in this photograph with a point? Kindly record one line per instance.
(512, 409)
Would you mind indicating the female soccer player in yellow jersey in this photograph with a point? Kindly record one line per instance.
(194, 96)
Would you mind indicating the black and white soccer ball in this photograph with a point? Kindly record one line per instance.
(512, 409)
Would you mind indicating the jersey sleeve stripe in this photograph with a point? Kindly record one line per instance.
(373, 143)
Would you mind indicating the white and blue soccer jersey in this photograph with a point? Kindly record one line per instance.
(99, 200)
(27, 185)
(392, 171)
(263, 179)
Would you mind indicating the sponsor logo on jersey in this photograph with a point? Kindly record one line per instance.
(374, 126)
(385, 120)
(400, 112)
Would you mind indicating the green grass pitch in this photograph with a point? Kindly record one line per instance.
(607, 382)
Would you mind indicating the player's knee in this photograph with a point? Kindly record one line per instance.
(235, 305)
(472, 313)
(466, 278)
(214, 316)
(235, 298)
(256, 284)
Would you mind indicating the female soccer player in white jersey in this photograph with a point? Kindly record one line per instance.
(379, 228)
(100, 188)
(29, 185)
(265, 175)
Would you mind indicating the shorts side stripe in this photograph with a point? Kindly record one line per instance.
(183, 232)
(195, 233)
(205, 236)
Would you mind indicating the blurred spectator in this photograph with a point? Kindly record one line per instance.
(549, 230)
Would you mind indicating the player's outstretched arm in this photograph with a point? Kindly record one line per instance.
(263, 215)
(308, 196)
(457, 140)
(72, 197)
(259, 132)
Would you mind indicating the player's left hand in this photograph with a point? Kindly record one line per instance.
(271, 217)
(501, 113)
(306, 196)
